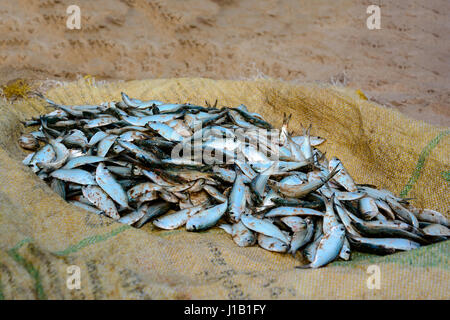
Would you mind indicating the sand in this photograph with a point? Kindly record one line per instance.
(404, 65)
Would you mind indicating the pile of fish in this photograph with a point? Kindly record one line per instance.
(261, 185)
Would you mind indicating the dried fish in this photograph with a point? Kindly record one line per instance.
(178, 165)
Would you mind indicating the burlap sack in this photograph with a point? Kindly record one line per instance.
(41, 235)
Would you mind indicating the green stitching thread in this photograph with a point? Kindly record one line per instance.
(21, 243)
(83, 243)
(420, 163)
(446, 175)
(34, 273)
(91, 240)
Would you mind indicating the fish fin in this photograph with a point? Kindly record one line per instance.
(52, 103)
(155, 109)
(333, 172)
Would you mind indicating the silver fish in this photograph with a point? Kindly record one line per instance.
(207, 218)
(81, 161)
(96, 138)
(263, 226)
(154, 210)
(105, 144)
(242, 236)
(272, 244)
(382, 245)
(329, 247)
(302, 236)
(431, 216)
(74, 175)
(29, 142)
(178, 164)
(342, 177)
(44, 155)
(237, 199)
(107, 182)
(177, 219)
(165, 131)
(293, 211)
(101, 200)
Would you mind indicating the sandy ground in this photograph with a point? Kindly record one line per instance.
(405, 65)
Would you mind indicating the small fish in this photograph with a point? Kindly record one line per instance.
(310, 250)
(346, 251)
(263, 226)
(105, 144)
(368, 208)
(384, 207)
(165, 131)
(258, 184)
(135, 103)
(44, 155)
(294, 223)
(292, 202)
(436, 230)
(96, 138)
(381, 229)
(314, 141)
(101, 200)
(106, 181)
(224, 174)
(142, 121)
(305, 147)
(342, 177)
(216, 194)
(382, 246)
(243, 236)
(237, 199)
(329, 219)
(292, 211)
(136, 215)
(177, 219)
(272, 244)
(141, 154)
(141, 189)
(74, 175)
(431, 216)
(349, 196)
(29, 142)
(297, 191)
(345, 218)
(152, 211)
(302, 236)
(402, 212)
(329, 248)
(133, 135)
(246, 169)
(149, 196)
(75, 138)
(26, 161)
(206, 218)
(61, 153)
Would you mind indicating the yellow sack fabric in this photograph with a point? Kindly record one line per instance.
(41, 235)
